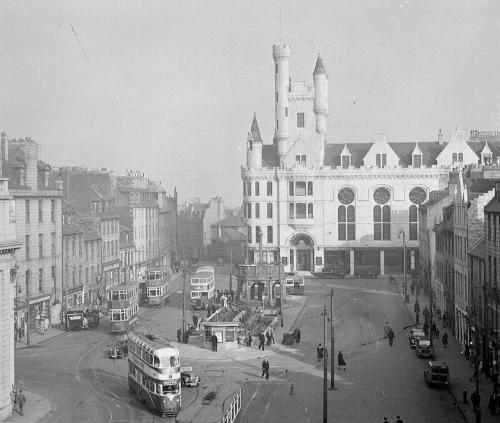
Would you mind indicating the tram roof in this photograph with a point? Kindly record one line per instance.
(123, 286)
(159, 344)
(157, 282)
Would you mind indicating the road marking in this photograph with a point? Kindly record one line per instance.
(251, 399)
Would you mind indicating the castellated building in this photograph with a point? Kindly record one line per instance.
(350, 205)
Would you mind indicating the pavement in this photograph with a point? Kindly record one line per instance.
(461, 370)
(36, 409)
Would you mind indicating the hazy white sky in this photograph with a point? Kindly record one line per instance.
(170, 87)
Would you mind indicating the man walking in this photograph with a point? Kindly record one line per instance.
(215, 341)
(195, 321)
(476, 400)
(265, 368)
(179, 335)
(21, 399)
(261, 341)
(391, 336)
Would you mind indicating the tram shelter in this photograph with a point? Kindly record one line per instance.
(226, 333)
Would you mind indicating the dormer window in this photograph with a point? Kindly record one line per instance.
(346, 161)
(417, 160)
(487, 159)
(381, 160)
(457, 157)
(300, 159)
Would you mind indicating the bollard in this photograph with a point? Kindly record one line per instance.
(464, 397)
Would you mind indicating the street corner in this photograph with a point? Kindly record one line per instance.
(36, 410)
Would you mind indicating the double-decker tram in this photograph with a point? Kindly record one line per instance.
(202, 287)
(157, 279)
(123, 306)
(154, 373)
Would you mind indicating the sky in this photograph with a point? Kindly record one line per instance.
(170, 87)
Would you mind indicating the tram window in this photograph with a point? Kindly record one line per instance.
(115, 296)
(170, 389)
(115, 316)
(156, 361)
(173, 361)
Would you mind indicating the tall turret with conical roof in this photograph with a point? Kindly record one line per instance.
(320, 95)
(281, 56)
(254, 146)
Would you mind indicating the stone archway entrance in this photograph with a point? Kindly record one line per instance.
(301, 253)
(256, 290)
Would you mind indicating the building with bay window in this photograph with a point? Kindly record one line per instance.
(308, 202)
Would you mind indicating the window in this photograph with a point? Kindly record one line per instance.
(86, 251)
(249, 188)
(269, 234)
(52, 210)
(303, 159)
(87, 275)
(381, 160)
(347, 223)
(460, 157)
(257, 210)
(257, 188)
(413, 222)
(40, 280)
(249, 210)
(310, 211)
(258, 234)
(269, 188)
(310, 188)
(346, 162)
(286, 111)
(53, 274)
(27, 209)
(27, 240)
(291, 211)
(381, 223)
(73, 247)
(269, 210)
(249, 234)
(40, 211)
(300, 188)
(297, 159)
(300, 120)
(417, 160)
(300, 211)
(277, 125)
(275, 68)
(290, 188)
(53, 243)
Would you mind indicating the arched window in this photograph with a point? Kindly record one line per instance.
(417, 196)
(346, 214)
(381, 215)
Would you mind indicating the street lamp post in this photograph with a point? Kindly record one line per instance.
(332, 344)
(325, 371)
(407, 297)
(184, 271)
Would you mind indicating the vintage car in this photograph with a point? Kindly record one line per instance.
(119, 350)
(437, 374)
(415, 334)
(369, 273)
(424, 349)
(188, 377)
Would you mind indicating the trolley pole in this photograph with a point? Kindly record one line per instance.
(325, 371)
(332, 344)
(184, 271)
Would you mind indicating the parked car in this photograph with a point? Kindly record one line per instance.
(437, 373)
(424, 349)
(119, 350)
(367, 273)
(188, 377)
(415, 334)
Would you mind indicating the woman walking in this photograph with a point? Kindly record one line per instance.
(340, 360)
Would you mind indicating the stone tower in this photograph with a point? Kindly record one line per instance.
(320, 96)
(281, 56)
(254, 147)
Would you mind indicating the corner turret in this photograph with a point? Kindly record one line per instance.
(254, 146)
(320, 96)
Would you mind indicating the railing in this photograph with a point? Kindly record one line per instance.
(229, 415)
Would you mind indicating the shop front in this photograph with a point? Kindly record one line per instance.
(75, 297)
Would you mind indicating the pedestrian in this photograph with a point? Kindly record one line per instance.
(21, 400)
(195, 321)
(426, 314)
(425, 328)
(476, 400)
(297, 333)
(261, 340)
(268, 338)
(215, 341)
(249, 339)
(179, 335)
(433, 330)
(492, 403)
(444, 340)
(386, 328)
(340, 360)
(416, 307)
(320, 351)
(399, 419)
(391, 336)
(265, 368)
(445, 319)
